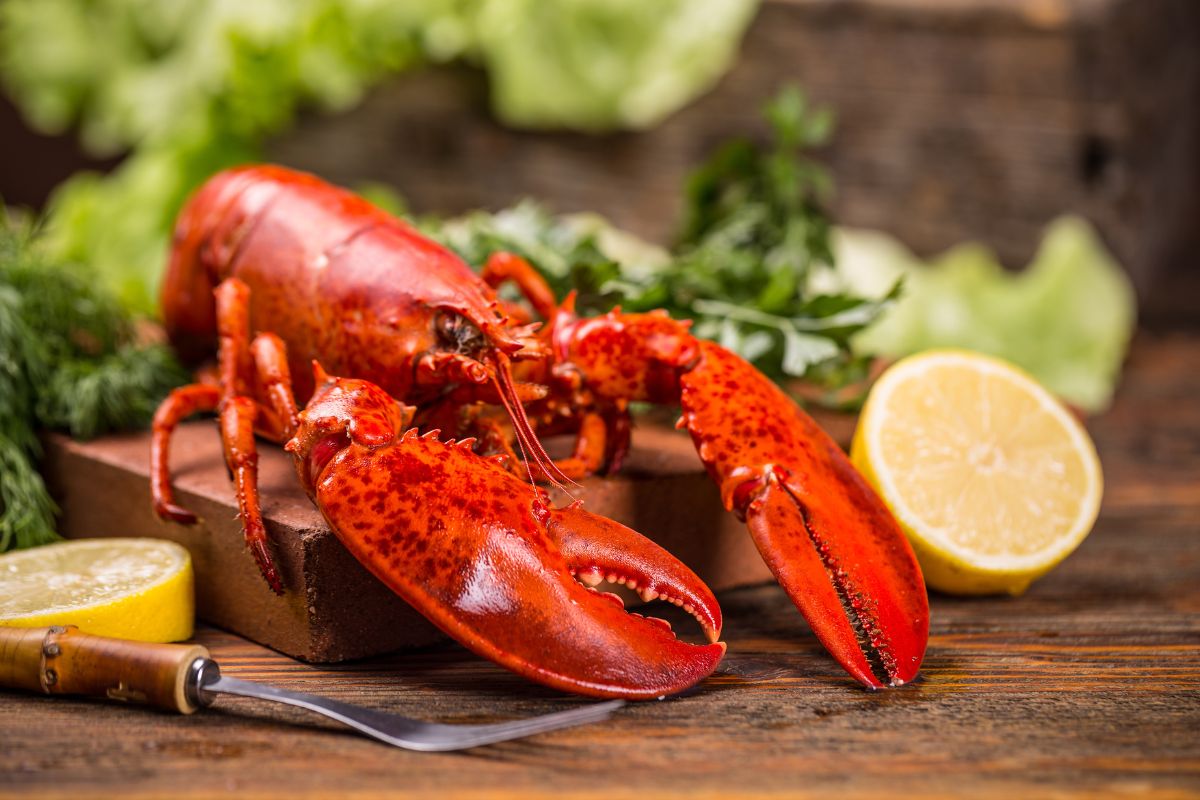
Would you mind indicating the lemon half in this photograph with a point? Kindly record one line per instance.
(990, 476)
(128, 588)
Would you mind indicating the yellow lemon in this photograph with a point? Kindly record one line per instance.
(128, 588)
(990, 476)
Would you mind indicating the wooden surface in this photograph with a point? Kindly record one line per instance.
(956, 120)
(1089, 684)
(329, 611)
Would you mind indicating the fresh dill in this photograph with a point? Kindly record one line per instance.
(69, 360)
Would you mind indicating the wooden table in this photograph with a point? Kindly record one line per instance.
(1090, 683)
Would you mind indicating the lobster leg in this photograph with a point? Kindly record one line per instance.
(826, 535)
(594, 446)
(239, 412)
(274, 382)
(241, 457)
(588, 453)
(180, 404)
(270, 360)
(601, 442)
(502, 266)
(591, 444)
(619, 431)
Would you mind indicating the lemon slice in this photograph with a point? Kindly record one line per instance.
(129, 588)
(989, 475)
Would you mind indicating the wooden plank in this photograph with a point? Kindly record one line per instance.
(1088, 685)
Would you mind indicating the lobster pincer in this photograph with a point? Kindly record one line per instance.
(491, 563)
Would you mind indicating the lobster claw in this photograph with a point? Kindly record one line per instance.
(489, 562)
(824, 532)
(596, 548)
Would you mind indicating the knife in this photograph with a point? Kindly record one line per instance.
(184, 678)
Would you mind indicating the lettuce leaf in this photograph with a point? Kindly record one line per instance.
(1067, 318)
(600, 65)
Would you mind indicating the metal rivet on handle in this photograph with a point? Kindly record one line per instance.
(52, 649)
(51, 677)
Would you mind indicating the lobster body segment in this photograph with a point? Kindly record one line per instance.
(336, 278)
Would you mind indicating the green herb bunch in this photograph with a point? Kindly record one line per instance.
(754, 238)
(68, 361)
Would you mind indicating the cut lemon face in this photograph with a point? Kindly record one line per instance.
(989, 475)
(128, 588)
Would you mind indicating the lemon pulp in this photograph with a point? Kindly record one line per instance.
(129, 588)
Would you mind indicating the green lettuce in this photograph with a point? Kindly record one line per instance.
(1067, 318)
(600, 65)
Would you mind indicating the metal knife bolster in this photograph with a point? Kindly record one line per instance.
(61, 660)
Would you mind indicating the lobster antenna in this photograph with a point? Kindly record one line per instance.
(530, 445)
(522, 434)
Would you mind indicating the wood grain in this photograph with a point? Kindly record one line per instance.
(1087, 685)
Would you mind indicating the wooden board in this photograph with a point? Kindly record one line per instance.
(333, 606)
(1088, 685)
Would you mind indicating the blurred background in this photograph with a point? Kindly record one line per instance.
(938, 122)
(956, 119)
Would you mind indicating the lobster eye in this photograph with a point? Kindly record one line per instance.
(458, 333)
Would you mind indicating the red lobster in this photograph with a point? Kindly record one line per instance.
(328, 277)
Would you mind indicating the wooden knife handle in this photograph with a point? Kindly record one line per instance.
(61, 660)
